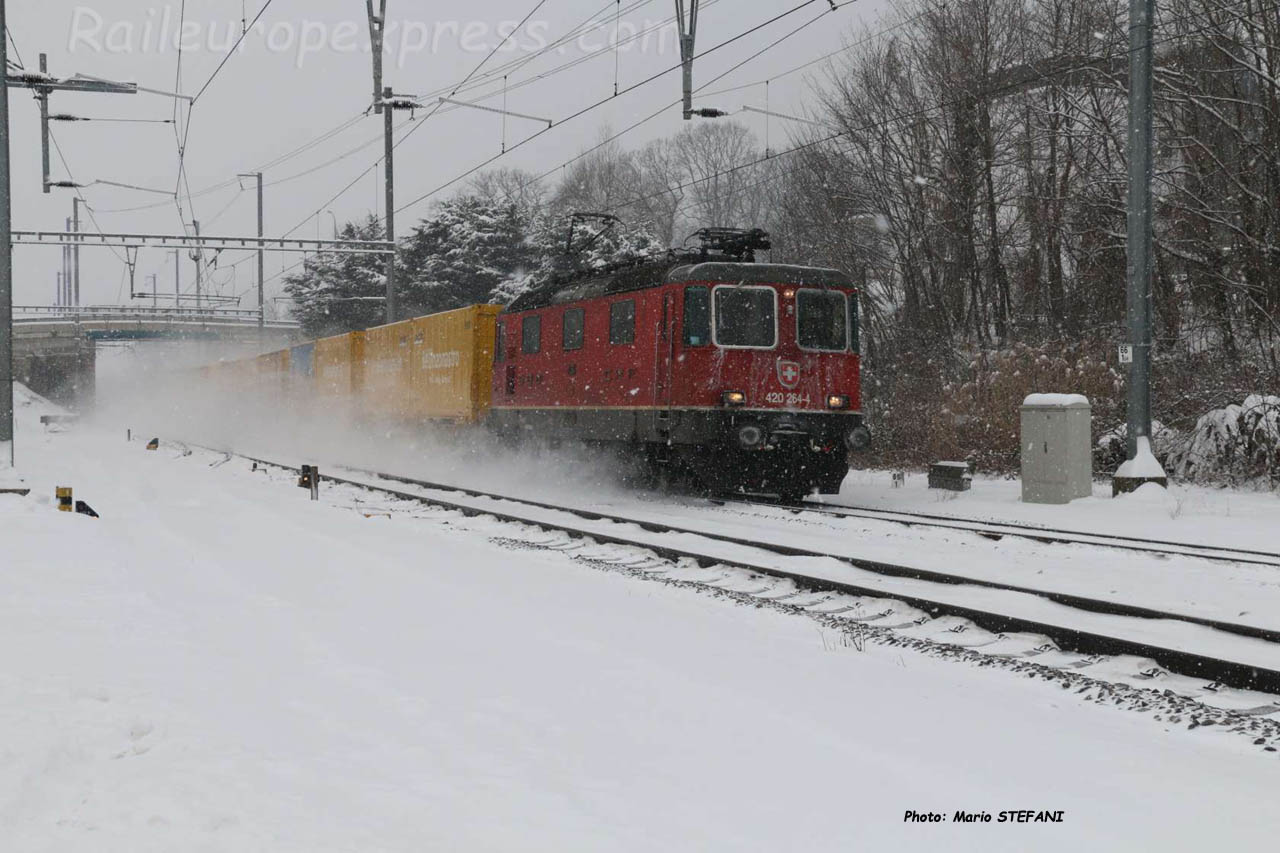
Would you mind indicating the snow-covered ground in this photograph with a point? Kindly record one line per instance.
(1186, 513)
(220, 664)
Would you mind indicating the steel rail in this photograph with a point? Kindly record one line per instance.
(1049, 535)
(1228, 672)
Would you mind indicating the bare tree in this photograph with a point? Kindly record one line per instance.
(716, 160)
(661, 195)
(603, 180)
(510, 186)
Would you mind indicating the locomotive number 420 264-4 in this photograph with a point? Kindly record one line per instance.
(795, 398)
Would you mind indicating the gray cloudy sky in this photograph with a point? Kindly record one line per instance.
(304, 71)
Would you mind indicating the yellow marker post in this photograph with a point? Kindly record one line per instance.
(63, 494)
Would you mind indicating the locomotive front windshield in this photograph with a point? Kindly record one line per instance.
(822, 320)
(746, 316)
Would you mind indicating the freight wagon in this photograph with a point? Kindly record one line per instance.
(435, 368)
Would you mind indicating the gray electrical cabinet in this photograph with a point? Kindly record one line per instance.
(1057, 458)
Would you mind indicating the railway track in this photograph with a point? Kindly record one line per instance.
(1059, 629)
(996, 530)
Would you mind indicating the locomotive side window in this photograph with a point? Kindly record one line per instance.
(622, 322)
(574, 323)
(822, 320)
(746, 316)
(531, 335)
(499, 344)
(697, 316)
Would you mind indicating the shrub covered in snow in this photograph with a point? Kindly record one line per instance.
(1232, 444)
(1111, 449)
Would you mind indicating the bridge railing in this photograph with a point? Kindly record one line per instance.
(109, 313)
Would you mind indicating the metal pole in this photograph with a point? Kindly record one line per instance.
(688, 39)
(6, 260)
(43, 96)
(377, 30)
(177, 278)
(75, 250)
(1141, 15)
(66, 270)
(388, 116)
(197, 255)
(262, 264)
(58, 300)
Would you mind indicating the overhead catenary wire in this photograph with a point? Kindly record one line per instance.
(683, 185)
(423, 120)
(230, 53)
(179, 135)
(478, 79)
(320, 139)
(917, 113)
(773, 78)
(508, 68)
(831, 137)
(606, 100)
(17, 54)
(676, 102)
(541, 132)
(793, 150)
(66, 167)
(476, 70)
(285, 270)
(283, 158)
(568, 65)
(184, 138)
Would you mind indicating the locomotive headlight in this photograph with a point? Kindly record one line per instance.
(838, 401)
(733, 398)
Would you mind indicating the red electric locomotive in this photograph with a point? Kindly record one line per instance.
(743, 376)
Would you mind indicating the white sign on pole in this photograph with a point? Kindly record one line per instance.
(1126, 353)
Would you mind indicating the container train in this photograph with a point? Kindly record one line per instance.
(705, 366)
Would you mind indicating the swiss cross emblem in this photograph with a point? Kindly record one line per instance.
(788, 373)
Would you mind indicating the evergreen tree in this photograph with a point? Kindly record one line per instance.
(464, 251)
(336, 293)
(596, 246)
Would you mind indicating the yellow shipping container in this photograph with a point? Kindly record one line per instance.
(432, 368)
(452, 363)
(386, 372)
(340, 366)
(271, 372)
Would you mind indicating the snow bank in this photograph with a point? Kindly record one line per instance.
(25, 398)
(1143, 464)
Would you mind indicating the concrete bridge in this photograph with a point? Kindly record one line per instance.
(55, 347)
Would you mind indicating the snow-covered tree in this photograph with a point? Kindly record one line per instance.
(595, 246)
(336, 293)
(463, 251)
